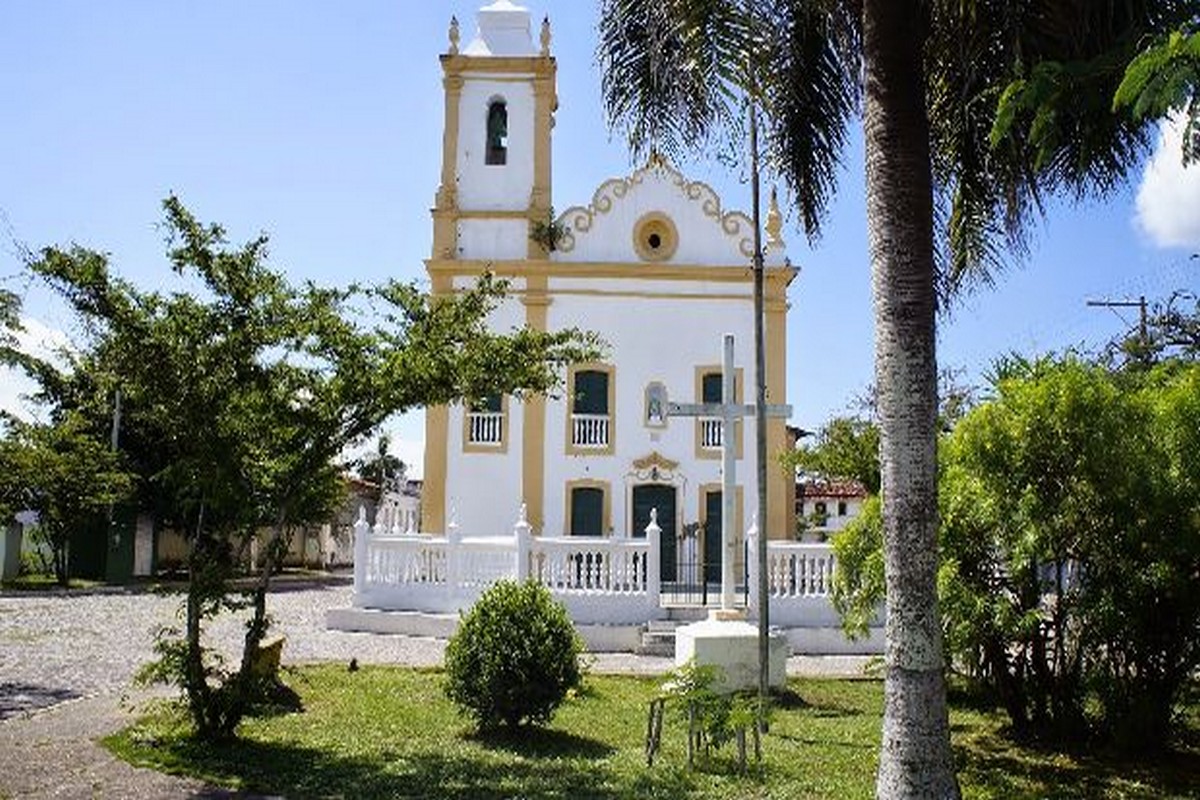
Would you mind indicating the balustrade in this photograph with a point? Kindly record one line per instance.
(711, 432)
(607, 579)
(485, 427)
(590, 430)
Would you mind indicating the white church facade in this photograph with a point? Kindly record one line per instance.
(600, 494)
(654, 263)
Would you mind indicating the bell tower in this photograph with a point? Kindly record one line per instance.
(500, 101)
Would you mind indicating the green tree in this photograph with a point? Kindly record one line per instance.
(1165, 78)
(381, 467)
(1170, 330)
(1069, 545)
(846, 447)
(64, 473)
(930, 75)
(247, 392)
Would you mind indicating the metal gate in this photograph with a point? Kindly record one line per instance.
(691, 573)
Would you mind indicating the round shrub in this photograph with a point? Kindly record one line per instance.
(514, 658)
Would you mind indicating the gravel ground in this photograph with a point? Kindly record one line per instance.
(67, 662)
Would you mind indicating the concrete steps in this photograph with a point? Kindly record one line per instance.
(658, 638)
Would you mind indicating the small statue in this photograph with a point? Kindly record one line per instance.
(453, 35)
(545, 36)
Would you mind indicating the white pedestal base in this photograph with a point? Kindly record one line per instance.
(732, 646)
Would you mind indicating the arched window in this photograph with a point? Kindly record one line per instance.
(497, 133)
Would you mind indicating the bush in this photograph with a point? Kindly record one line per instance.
(514, 658)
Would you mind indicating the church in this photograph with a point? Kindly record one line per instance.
(655, 264)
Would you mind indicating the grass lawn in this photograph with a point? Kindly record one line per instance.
(42, 582)
(390, 732)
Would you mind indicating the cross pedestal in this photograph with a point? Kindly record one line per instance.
(726, 640)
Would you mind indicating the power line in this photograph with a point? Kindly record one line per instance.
(1140, 304)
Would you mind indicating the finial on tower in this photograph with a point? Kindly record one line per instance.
(774, 223)
(453, 34)
(545, 36)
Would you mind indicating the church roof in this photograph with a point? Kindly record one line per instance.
(704, 231)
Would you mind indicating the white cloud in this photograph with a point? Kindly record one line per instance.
(1168, 200)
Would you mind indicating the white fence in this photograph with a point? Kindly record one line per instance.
(589, 430)
(601, 580)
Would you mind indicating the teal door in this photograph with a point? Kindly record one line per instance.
(712, 537)
(658, 496)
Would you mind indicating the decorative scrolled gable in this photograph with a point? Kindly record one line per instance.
(655, 215)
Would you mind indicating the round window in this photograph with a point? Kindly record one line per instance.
(654, 237)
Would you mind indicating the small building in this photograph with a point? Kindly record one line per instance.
(825, 505)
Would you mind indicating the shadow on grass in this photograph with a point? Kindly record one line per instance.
(541, 743)
(550, 764)
(1007, 769)
(788, 699)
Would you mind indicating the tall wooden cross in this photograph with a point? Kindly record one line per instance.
(729, 412)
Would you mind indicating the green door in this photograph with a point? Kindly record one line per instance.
(587, 511)
(712, 537)
(661, 497)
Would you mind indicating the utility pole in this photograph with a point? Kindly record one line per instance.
(760, 430)
(1140, 304)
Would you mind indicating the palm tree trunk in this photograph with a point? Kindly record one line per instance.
(915, 757)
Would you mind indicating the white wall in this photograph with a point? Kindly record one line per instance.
(493, 238)
(483, 490)
(650, 339)
(491, 187)
(708, 233)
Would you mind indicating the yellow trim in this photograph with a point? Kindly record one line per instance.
(445, 223)
(739, 528)
(588, 483)
(652, 295)
(476, 213)
(591, 366)
(776, 278)
(781, 486)
(490, 78)
(545, 101)
(433, 489)
(460, 64)
(471, 447)
(654, 459)
(739, 390)
(650, 224)
(437, 447)
(533, 432)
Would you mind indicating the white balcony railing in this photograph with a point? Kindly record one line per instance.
(590, 431)
(711, 433)
(485, 427)
(601, 580)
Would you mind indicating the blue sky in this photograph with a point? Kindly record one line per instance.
(320, 123)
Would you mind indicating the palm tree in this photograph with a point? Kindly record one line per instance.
(950, 186)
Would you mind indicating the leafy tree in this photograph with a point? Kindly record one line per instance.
(846, 447)
(381, 467)
(248, 391)
(1070, 545)
(1164, 78)
(1170, 330)
(675, 73)
(61, 471)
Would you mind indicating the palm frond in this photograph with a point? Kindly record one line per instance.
(811, 92)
